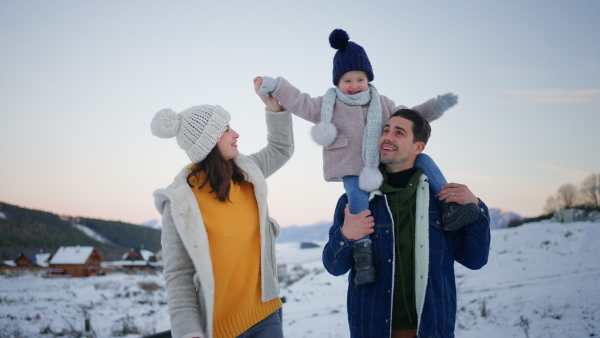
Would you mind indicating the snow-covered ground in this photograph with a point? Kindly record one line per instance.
(542, 280)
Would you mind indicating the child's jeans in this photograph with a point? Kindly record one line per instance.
(430, 169)
(358, 199)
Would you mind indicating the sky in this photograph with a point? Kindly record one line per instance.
(81, 81)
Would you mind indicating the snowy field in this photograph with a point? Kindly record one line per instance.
(542, 280)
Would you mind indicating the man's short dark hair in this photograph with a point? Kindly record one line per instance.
(421, 128)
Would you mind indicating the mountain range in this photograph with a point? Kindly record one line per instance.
(320, 231)
(26, 230)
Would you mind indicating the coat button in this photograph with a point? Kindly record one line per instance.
(342, 243)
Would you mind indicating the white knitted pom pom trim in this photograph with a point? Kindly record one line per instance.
(166, 123)
(370, 179)
(324, 133)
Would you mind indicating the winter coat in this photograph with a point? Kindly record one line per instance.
(188, 269)
(343, 156)
(370, 305)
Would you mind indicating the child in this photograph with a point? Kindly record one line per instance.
(351, 147)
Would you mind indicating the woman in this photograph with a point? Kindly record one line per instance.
(218, 239)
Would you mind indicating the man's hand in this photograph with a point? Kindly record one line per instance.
(459, 193)
(357, 226)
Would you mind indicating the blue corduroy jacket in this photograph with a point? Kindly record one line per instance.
(370, 305)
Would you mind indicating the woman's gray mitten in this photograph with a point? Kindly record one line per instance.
(444, 102)
(268, 85)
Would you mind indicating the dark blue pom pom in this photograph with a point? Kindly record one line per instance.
(338, 39)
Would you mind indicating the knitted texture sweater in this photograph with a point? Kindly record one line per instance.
(233, 234)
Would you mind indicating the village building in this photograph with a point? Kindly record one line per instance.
(28, 261)
(76, 261)
(134, 260)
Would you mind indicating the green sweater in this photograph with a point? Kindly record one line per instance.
(400, 189)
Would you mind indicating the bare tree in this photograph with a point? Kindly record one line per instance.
(590, 191)
(551, 205)
(567, 195)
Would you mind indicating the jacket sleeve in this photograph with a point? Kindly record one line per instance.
(426, 109)
(299, 104)
(472, 242)
(182, 300)
(280, 143)
(337, 253)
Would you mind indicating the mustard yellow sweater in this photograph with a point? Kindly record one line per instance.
(234, 240)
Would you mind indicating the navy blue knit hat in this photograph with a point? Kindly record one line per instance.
(349, 56)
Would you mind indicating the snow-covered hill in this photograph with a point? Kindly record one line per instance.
(153, 223)
(501, 218)
(320, 231)
(541, 281)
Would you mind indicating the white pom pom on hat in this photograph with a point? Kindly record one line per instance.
(165, 123)
(197, 129)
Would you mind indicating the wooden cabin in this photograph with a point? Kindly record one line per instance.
(138, 259)
(76, 261)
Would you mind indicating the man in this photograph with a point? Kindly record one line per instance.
(414, 293)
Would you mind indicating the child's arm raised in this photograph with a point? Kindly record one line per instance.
(433, 109)
(296, 102)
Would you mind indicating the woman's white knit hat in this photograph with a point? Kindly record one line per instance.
(197, 129)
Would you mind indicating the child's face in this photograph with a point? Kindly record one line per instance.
(353, 82)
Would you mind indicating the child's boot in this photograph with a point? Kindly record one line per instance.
(455, 216)
(363, 262)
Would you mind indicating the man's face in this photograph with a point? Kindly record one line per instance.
(396, 147)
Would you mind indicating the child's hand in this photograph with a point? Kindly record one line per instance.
(444, 102)
(268, 85)
(270, 102)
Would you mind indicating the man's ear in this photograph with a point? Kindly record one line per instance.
(420, 147)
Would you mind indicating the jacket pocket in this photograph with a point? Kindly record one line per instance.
(196, 280)
(436, 234)
(341, 141)
(274, 231)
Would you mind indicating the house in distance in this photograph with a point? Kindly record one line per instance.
(76, 261)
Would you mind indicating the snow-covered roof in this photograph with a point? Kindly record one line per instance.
(2, 215)
(146, 254)
(10, 263)
(41, 258)
(72, 255)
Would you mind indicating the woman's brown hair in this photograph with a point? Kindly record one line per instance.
(218, 172)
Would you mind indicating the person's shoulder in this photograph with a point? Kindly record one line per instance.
(386, 101)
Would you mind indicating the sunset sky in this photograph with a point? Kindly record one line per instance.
(81, 80)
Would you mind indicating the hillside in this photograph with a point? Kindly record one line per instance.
(541, 281)
(320, 231)
(27, 230)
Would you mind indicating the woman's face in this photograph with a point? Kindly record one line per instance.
(227, 144)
